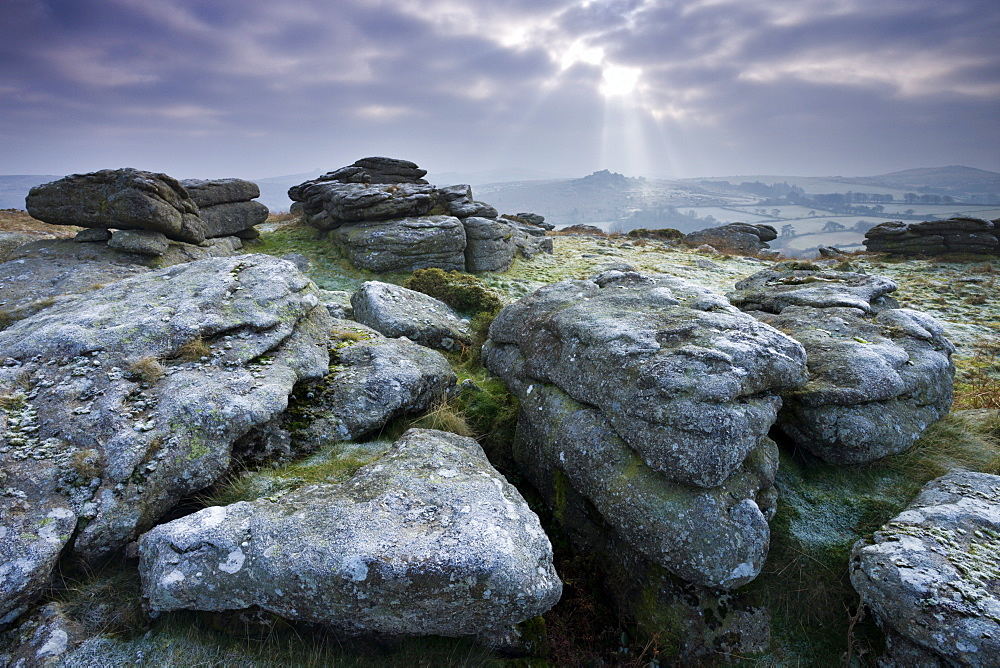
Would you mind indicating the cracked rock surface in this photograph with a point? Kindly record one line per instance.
(426, 539)
(118, 403)
(931, 573)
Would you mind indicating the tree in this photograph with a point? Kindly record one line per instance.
(775, 213)
(833, 226)
(787, 230)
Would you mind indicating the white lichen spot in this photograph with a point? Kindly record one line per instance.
(745, 569)
(234, 562)
(172, 578)
(55, 646)
(356, 568)
(212, 517)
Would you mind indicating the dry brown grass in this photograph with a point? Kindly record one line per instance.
(194, 350)
(148, 369)
(978, 382)
(15, 220)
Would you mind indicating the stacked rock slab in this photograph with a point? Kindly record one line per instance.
(936, 237)
(427, 539)
(651, 398)
(227, 206)
(878, 375)
(385, 217)
(149, 205)
(738, 237)
(139, 392)
(931, 575)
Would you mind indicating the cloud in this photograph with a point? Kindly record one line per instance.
(302, 84)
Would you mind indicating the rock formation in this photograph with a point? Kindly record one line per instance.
(374, 379)
(139, 391)
(385, 217)
(736, 237)
(935, 237)
(130, 199)
(652, 397)
(396, 311)
(878, 375)
(428, 539)
(931, 574)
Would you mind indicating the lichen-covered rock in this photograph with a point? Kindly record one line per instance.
(530, 245)
(233, 218)
(772, 290)
(374, 170)
(43, 639)
(490, 244)
(687, 381)
(396, 311)
(337, 302)
(931, 574)
(330, 204)
(42, 273)
(428, 539)
(878, 375)
(404, 244)
(373, 380)
(10, 241)
(737, 237)
(143, 242)
(935, 237)
(126, 199)
(138, 392)
(874, 384)
(716, 537)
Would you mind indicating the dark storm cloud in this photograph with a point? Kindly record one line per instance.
(266, 86)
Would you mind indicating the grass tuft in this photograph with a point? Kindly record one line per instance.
(148, 369)
(194, 350)
(462, 292)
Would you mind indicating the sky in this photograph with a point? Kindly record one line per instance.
(657, 88)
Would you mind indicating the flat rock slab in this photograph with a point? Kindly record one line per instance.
(428, 539)
(404, 244)
(956, 235)
(396, 311)
(209, 192)
(686, 380)
(125, 199)
(42, 273)
(329, 204)
(373, 380)
(232, 218)
(120, 402)
(772, 290)
(931, 575)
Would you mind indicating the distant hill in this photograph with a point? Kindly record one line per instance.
(14, 188)
(955, 180)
